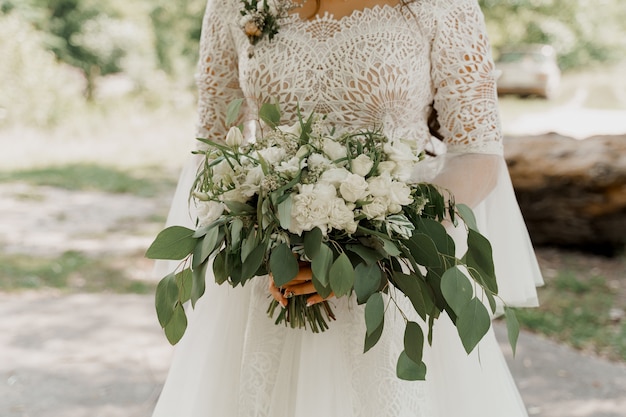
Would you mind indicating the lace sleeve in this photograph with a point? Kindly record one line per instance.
(464, 80)
(217, 75)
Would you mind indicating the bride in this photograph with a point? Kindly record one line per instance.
(364, 63)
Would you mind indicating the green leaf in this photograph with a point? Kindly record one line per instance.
(312, 242)
(479, 257)
(472, 324)
(374, 312)
(165, 299)
(373, 338)
(283, 265)
(233, 110)
(370, 256)
(390, 247)
(414, 341)
(253, 263)
(409, 370)
(456, 289)
(512, 327)
(236, 226)
(205, 246)
(270, 114)
(423, 250)
(437, 232)
(284, 213)
(321, 265)
(219, 267)
(174, 242)
(175, 329)
(248, 245)
(467, 215)
(367, 281)
(341, 275)
(184, 283)
(198, 282)
(419, 296)
(239, 209)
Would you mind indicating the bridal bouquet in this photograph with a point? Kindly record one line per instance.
(343, 203)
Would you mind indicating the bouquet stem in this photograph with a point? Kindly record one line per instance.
(297, 314)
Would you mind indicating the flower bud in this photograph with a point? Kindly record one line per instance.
(234, 138)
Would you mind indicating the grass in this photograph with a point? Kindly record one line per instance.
(578, 307)
(91, 177)
(71, 271)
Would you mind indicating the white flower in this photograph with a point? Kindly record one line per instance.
(361, 165)
(273, 155)
(400, 152)
(223, 173)
(335, 176)
(308, 211)
(400, 193)
(235, 194)
(386, 167)
(234, 138)
(379, 186)
(375, 209)
(403, 171)
(353, 188)
(318, 161)
(325, 191)
(209, 211)
(252, 183)
(295, 129)
(334, 149)
(341, 216)
(292, 166)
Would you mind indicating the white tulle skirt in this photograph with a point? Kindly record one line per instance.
(234, 362)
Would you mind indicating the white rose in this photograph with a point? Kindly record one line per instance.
(223, 172)
(234, 138)
(375, 209)
(353, 188)
(272, 155)
(386, 167)
(325, 191)
(403, 171)
(334, 149)
(252, 183)
(379, 186)
(209, 211)
(399, 151)
(361, 165)
(291, 167)
(400, 193)
(308, 211)
(335, 176)
(235, 194)
(341, 216)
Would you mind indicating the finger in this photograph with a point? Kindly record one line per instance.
(300, 289)
(316, 299)
(276, 293)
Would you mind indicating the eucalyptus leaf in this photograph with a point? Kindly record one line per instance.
(239, 209)
(175, 328)
(205, 246)
(437, 232)
(321, 265)
(219, 267)
(270, 114)
(472, 324)
(184, 283)
(467, 215)
(512, 327)
(409, 370)
(390, 247)
(480, 259)
(367, 281)
(233, 111)
(198, 282)
(410, 286)
(284, 212)
(253, 263)
(165, 299)
(248, 245)
(374, 312)
(423, 250)
(236, 226)
(174, 243)
(283, 264)
(312, 242)
(373, 338)
(370, 256)
(414, 341)
(341, 275)
(456, 289)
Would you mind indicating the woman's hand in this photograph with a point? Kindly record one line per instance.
(302, 284)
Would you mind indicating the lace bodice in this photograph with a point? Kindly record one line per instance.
(379, 67)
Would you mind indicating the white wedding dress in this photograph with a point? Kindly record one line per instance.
(382, 66)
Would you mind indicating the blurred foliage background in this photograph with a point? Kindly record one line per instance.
(54, 53)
